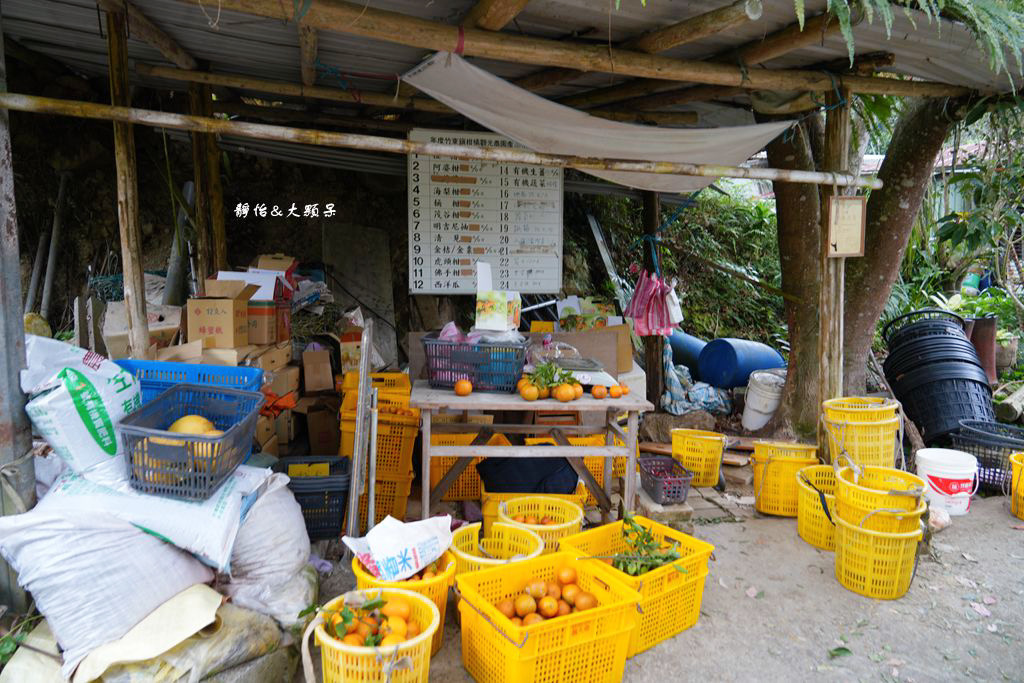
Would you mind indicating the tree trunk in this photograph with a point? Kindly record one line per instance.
(906, 171)
(797, 208)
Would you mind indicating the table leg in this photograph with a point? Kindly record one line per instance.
(609, 440)
(629, 490)
(460, 465)
(425, 469)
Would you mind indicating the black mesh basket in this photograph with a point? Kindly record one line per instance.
(992, 444)
(937, 408)
(321, 497)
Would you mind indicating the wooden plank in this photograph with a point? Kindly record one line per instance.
(742, 443)
(738, 476)
(470, 428)
(493, 15)
(127, 191)
(141, 28)
(735, 459)
(360, 19)
(655, 448)
(307, 54)
(576, 462)
(424, 397)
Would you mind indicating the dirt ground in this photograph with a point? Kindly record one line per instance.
(963, 617)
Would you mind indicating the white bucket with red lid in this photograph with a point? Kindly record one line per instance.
(950, 477)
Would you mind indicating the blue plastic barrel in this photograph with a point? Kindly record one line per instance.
(727, 363)
(686, 349)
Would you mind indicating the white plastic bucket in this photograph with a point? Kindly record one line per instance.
(764, 393)
(950, 477)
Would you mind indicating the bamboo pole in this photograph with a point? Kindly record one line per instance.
(376, 99)
(660, 40)
(786, 40)
(200, 170)
(307, 53)
(360, 19)
(200, 124)
(140, 26)
(214, 191)
(127, 190)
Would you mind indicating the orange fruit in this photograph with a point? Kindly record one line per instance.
(394, 626)
(598, 391)
(532, 618)
(563, 608)
(390, 640)
(546, 520)
(536, 589)
(554, 590)
(625, 390)
(566, 575)
(412, 628)
(564, 393)
(396, 608)
(615, 391)
(585, 601)
(525, 605)
(545, 392)
(463, 387)
(522, 381)
(367, 627)
(528, 392)
(516, 621)
(530, 519)
(577, 389)
(428, 575)
(548, 607)
(570, 593)
(353, 639)
(520, 519)
(507, 607)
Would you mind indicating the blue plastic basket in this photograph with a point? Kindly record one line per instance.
(490, 367)
(155, 377)
(188, 466)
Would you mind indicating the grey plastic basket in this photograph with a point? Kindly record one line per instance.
(182, 465)
(664, 479)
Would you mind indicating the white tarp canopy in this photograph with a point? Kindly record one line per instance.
(549, 127)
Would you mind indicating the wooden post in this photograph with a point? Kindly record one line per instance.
(214, 192)
(200, 169)
(835, 157)
(127, 190)
(652, 345)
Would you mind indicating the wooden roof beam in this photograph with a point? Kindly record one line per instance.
(781, 42)
(369, 22)
(375, 99)
(660, 40)
(307, 53)
(139, 26)
(493, 15)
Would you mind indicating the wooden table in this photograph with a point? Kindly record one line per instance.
(431, 401)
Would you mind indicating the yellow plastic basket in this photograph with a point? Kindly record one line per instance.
(396, 438)
(489, 502)
(775, 465)
(875, 564)
(886, 520)
(670, 596)
(580, 647)
(812, 524)
(467, 486)
(568, 517)
(391, 497)
(435, 589)
(879, 488)
(860, 409)
(594, 464)
(342, 663)
(393, 382)
(700, 452)
(1017, 485)
(864, 443)
(506, 544)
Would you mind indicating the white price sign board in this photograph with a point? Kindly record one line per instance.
(461, 212)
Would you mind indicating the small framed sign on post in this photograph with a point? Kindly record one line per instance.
(846, 223)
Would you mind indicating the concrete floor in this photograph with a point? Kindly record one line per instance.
(963, 617)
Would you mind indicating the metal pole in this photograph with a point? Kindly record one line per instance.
(51, 261)
(16, 464)
(371, 494)
(37, 271)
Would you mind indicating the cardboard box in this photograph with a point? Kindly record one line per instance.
(321, 413)
(316, 371)
(284, 322)
(351, 340)
(262, 322)
(280, 263)
(233, 357)
(222, 315)
(284, 425)
(285, 380)
(271, 447)
(624, 348)
(264, 429)
(181, 353)
(163, 327)
(264, 304)
(273, 357)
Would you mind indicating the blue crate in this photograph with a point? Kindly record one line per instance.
(155, 377)
(187, 466)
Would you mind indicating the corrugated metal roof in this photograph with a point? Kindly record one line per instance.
(232, 42)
